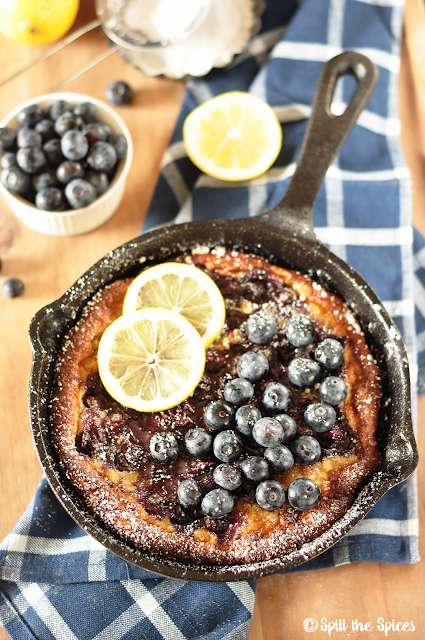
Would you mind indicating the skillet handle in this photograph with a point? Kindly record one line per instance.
(324, 136)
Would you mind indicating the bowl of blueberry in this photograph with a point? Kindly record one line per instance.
(64, 162)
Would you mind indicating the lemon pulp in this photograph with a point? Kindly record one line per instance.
(181, 288)
(151, 360)
(234, 136)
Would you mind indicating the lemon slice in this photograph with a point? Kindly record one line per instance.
(235, 136)
(184, 289)
(151, 360)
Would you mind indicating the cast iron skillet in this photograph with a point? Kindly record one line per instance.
(284, 236)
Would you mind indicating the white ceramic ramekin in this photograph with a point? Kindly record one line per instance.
(74, 221)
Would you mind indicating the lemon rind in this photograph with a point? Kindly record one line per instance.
(213, 328)
(159, 404)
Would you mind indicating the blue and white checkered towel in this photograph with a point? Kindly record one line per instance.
(55, 581)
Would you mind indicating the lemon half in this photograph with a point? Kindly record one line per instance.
(151, 360)
(181, 288)
(234, 136)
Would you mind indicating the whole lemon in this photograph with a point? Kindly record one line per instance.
(36, 21)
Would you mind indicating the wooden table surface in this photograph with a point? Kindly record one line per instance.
(49, 265)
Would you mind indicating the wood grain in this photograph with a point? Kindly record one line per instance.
(49, 265)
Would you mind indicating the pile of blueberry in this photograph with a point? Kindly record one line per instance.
(233, 418)
(61, 159)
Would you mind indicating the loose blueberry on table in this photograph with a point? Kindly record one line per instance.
(66, 139)
(13, 288)
(119, 93)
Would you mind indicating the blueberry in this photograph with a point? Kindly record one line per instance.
(217, 503)
(246, 417)
(276, 397)
(29, 195)
(29, 116)
(280, 458)
(163, 447)
(15, 180)
(53, 153)
(65, 122)
(58, 108)
(289, 426)
(270, 495)
(329, 353)
(7, 139)
(333, 390)
(219, 415)
(118, 93)
(189, 493)
(46, 129)
(50, 199)
(74, 145)
(80, 193)
(69, 170)
(252, 366)
(305, 450)
(102, 156)
(95, 132)
(299, 330)
(27, 137)
(87, 110)
(320, 416)
(198, 442)
(13, 288)
(119, 142)
(227, 446)
(99, 180)
(303, 494)
(44, 180)
(8, 160)
(260, 327)
(238, 391)
(227, 477)
(106, 128)
(268, 432)
(30, 159)
(303, 372)
(255, 468)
